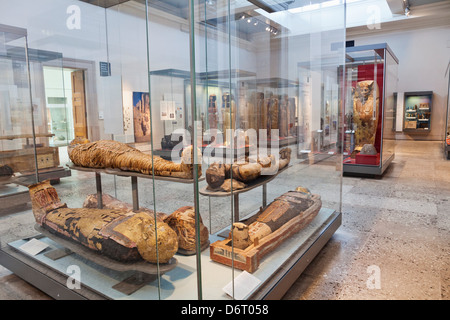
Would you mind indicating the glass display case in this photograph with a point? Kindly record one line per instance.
(18, 161)
(370, 106)
(208, 164)
(23, 151)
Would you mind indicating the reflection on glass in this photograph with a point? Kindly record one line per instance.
(136, 98)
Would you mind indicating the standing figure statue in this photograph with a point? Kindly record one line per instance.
(365, 112)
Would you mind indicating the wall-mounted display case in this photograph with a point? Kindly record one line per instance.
(370, 104)
(232, 200)
(418, 110)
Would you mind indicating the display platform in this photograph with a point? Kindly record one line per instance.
(351, 167)
(276, 273)
(12, 194)
(123, 173)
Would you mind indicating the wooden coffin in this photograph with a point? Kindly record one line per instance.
(121, 235)
(269, 228)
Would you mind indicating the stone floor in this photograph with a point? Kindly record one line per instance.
(393, 242)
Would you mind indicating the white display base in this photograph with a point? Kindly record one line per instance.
(181, 282)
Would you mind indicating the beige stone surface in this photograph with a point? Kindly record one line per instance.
(399, 223)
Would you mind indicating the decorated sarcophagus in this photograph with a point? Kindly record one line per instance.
(250, 240)
(122, 235)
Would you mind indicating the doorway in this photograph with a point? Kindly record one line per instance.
(66, 104)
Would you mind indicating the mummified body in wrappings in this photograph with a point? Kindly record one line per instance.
(121, 235)
(117, 155)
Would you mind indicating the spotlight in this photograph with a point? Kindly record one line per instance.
(407, 11)
(407, 8)
(249, 20)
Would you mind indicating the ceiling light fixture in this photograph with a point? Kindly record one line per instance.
(407, 7)
(407, 11)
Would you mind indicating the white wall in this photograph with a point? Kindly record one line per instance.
(423, 58)
(46, 24)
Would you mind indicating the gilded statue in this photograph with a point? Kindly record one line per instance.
(365, 112)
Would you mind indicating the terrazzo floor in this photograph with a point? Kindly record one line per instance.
(394, 241)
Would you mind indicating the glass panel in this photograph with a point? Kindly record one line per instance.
(390, 107)
(189, 140)
(17, 136)
(176, 124)
(85, 66)
(58, 95)
(364, 109)
(277, 133)
(50, 111)
(371, 100)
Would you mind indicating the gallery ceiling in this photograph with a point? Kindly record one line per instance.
(249, 19)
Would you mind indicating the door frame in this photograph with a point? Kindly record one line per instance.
(78, 83)
(90, 88)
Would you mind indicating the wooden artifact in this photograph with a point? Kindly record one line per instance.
(23, 160)
(272, 116)
(118, 234)
(261, 106)
(228, 116)
(250, 240)
(117, 155)
(284, 118)
(212, 111)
